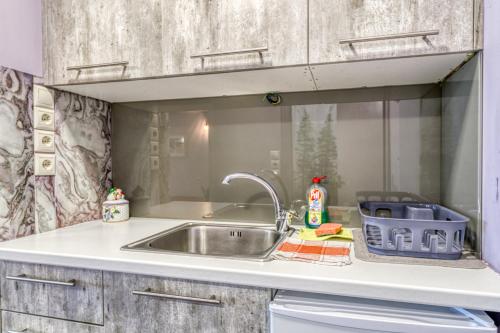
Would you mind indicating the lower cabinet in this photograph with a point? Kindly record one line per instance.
(51, 299)
(13, 322)
(135, 303)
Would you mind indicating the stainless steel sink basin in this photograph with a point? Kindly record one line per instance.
(229, 241)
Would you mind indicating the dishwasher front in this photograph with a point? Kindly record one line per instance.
(297, 312)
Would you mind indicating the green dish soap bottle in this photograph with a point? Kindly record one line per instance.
(317, 198)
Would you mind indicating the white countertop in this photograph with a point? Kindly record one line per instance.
(96, 245)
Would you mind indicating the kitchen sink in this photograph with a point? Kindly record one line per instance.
(216, 240)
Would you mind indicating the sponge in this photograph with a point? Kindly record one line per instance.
(328, 229)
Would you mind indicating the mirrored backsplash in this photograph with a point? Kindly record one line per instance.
(171, 156)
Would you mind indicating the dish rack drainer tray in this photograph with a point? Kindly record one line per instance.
(413, 229)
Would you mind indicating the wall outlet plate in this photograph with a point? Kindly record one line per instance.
(154, 148)
(44, 118)
(155, 134)
(44, 141)
(155, 163)
(45, 164)
(43, 97)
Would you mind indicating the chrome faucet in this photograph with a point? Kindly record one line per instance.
(279, 212)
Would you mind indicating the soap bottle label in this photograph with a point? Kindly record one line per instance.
(315, 207)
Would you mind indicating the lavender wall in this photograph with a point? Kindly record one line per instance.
(491, 132)
(21, 29)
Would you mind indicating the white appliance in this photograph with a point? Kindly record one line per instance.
(296, 312)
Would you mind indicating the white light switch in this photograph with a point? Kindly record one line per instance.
(45, 164)
(44, 119)
(44, 141)
(43, 97)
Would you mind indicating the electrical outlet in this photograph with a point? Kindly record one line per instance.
(45, 164)
(44, 141)
(44, 118)
(155, 163)
(154, 148)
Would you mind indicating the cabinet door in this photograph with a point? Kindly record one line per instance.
(332, 22)
(121, 39)
(147, 304)
(59, 292)
(19, 322)
(190, 28)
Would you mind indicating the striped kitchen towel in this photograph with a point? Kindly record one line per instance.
(335, 253)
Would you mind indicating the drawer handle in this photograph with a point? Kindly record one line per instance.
(393, 36)
(24, 278)
(148, 292)
(21, 331)
(79, 68)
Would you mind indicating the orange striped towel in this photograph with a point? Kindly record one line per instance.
(335, 253)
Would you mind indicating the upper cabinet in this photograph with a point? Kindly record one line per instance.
(223, 35)
(106, 40)
(345, 30)
(101, 40)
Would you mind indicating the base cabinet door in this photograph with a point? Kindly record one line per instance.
(143, 304)
(345, 30)
(13, 322)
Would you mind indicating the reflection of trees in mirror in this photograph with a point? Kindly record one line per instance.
(304, 151)
(316, 155)
(326, 159)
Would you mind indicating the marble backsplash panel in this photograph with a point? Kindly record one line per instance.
(16, 155)
(83, 157)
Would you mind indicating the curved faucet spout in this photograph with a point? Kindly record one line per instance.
(279, 212)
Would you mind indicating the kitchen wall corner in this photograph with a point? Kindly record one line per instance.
(16, 155)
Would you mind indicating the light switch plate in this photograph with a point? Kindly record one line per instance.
(44, 141)
(43, 97)
(44, 118)
(45, 164)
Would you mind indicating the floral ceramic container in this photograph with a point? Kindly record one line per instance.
(115, 208)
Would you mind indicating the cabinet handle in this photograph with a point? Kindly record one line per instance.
(259, 50)
(21, 331)
(148, 292)
(124, 64)
(24, 278)
(393, 36)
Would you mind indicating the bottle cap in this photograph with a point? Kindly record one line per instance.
(317, 180)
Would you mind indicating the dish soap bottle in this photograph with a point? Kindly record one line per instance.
(317, 211)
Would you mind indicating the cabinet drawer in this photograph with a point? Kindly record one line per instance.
(13, 322)
(346, 30)
(136, 303)
(59, 292)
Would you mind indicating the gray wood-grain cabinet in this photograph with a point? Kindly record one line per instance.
(79, 33)
(190, 28)
(19, 322)
(135, 303)
(159, 37)
(59, 292)
(331, 22)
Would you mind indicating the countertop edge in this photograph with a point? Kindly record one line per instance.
(415, 294)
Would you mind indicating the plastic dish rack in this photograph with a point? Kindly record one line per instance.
(413, 229)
